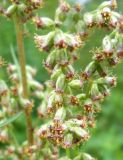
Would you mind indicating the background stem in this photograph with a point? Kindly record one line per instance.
(21, 55)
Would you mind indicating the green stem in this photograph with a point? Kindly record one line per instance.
(21, 55)
(68, 152)
(89, 88)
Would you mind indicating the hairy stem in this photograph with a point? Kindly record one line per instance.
(21, 55)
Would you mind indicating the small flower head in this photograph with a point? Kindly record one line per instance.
(68, 141)
(106, 13)
(89, 19)
(3, 88)
(64, 6)
(107, 47)
(43, 22)
(2, 62)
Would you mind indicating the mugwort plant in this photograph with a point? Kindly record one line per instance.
(70, 99)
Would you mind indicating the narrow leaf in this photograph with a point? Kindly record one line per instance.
(10, 120)
(15, 60)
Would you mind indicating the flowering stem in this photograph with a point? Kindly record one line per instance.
(21, 54)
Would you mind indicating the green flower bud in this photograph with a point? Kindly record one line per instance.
(89, 19)
(68, 140)
(116, 14)
(76, 12)
(37, 3)
(62, 58)
(89, 70)
(60, 114)
(64, 6)
(14, 78)
(50, 61)
(43, 22)
(113, 61)
(61, 12)
(42, 109)
(60, 16)
(74, 100)
(74, 55)
(38, 94)
(33, 85)
(21, 7)
(76, 16)
(26, 104)
(31, 70)
(11, 68)
(76, 84)
(120, 52)
(3, 88)
(81, 96)
(106, 13)
(81, 28)
(104, 90)
(111, 81)
(99, 19)
(11, 10)
(88, 105)
(74, 123)
(58, 102)
(50, 103)
(56, 73)
(69, 71)
(95, 93)
(79, 132)
(107, 46)
(73, 42)
(42, 132)
(113, 21)
(60, 40)
(60, 83)
(45, 42)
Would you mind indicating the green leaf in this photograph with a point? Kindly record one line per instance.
(15, 60)
(10, 120)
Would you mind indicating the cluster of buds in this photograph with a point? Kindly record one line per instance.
(11, 98)
(24, 9)
(12, 102)
(34, 87)
(65, 133)
(24, 151)
(74, 98)
(59, 39)
(103, 17)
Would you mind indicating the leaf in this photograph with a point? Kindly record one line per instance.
(15, 60)
(10, 120)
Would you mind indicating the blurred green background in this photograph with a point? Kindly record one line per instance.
(106, 142)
